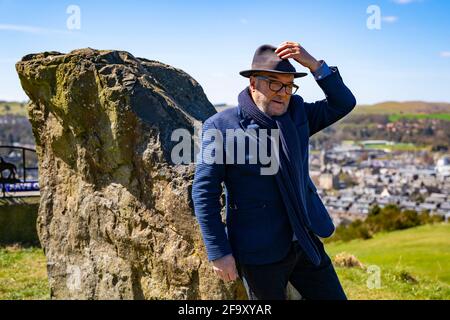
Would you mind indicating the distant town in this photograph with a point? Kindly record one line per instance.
(352, 176)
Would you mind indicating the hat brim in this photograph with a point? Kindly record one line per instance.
(248, 73)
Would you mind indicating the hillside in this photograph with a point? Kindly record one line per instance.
(13, 108)
(388, 108)
(409, 107)
(414, 264)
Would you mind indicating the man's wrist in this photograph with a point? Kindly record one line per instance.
(221, 257)
(322, 72)
(314, 66)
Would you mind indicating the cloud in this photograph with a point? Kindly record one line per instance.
(445, 54)
(406, 1)
(390, 19)
(31, 29)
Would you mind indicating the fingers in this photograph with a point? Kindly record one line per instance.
(233, 275)
(229, 276)
(288, 50)
(226, 276)
(287, 44)
(222, 275)
(225, 268)
(288, 53)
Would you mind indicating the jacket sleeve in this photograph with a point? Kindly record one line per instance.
(338, 103)
(206, 193)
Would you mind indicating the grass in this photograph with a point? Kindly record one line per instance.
(13, 108)
(393, 286)
(437, 116)
(23, 274)
(23, 200)
(392, 147)
(409, 107)
(414, 264)
(398, 147)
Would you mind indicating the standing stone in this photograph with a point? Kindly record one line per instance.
(115, 216)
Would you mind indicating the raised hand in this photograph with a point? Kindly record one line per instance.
(294, 50)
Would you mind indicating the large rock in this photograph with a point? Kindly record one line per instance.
(115, 216)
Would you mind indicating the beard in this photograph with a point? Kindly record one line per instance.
(267, 104)
(273, 108)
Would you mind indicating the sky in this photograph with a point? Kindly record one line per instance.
(400, 54)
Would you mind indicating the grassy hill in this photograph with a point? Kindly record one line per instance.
(395, 109)
(13, 108)
(414, 264)
(406, 110)
(409, 107)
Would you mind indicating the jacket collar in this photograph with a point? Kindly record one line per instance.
(244, 119)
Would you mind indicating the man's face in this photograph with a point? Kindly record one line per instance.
(270, 102)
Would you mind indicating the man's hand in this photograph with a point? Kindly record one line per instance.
(225, 268)
(294, 50)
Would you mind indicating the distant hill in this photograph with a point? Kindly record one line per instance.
(389, 108)
(13, 108)
(385, 108)
(223, 106)
(409, 107)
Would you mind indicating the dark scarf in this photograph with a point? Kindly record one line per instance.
(289, 176)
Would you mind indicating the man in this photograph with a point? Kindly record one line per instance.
(273, 221)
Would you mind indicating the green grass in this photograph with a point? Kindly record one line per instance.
(23, 274)
(422, 252)
(398, 147)
(391, 147)
(13, 108)
(409, 107)
(437, 116)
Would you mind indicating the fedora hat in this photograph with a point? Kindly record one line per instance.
(266, 59)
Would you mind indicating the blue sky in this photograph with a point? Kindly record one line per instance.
(407, 59)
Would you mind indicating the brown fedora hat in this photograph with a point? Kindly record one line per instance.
(266, 59)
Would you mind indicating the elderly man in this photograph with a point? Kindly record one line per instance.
(273, 221)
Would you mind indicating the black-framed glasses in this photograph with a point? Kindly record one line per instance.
(276, 86)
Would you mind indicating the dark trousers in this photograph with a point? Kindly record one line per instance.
(269, 281)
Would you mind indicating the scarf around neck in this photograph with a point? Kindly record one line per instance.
(290, 176)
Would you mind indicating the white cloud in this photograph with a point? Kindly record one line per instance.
(31, 29)
(390, 19)
(445, 54)
(406, 1)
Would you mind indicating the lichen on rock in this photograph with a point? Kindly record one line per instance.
(115, 217)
